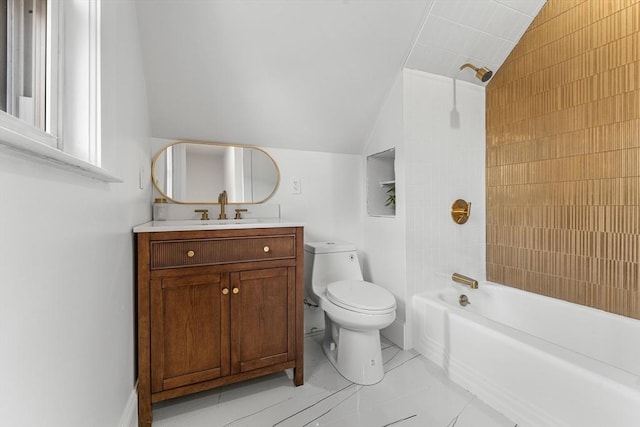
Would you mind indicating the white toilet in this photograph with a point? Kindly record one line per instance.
(354, 310)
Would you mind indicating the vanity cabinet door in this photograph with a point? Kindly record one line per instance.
(189, 330)
(262, 318)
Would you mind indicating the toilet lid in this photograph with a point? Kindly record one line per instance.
(361, 296)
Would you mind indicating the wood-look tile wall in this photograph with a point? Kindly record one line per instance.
(563, 157)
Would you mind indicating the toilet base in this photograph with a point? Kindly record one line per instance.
(357, 355)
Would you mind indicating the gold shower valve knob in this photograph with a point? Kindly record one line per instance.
(460, 211)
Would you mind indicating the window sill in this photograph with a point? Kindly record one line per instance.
(38, 146)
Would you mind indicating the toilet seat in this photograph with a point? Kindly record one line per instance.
(361, 296)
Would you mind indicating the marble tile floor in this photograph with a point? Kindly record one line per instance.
(414, 392)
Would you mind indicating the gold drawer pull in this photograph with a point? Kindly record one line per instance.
(225, 291)
(190, 254)
(266, 249)
(236, 290)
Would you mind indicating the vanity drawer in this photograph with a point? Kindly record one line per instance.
(184, 253)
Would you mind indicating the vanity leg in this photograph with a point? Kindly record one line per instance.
(298, 371)
(144, 333)
(144, 413)
(298, 376)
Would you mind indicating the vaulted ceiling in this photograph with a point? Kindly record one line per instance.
(307, 74)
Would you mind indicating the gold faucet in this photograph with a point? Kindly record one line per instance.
(223, 200)
(457, 277)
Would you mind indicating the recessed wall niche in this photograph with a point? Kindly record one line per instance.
(381, 184)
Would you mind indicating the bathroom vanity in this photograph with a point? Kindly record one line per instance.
(217, 304)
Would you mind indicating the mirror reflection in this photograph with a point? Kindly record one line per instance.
(195, 172)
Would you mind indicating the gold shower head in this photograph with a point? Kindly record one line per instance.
(483, 74)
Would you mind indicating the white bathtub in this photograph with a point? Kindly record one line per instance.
(540, 361)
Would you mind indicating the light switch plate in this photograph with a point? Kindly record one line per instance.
(296, 186)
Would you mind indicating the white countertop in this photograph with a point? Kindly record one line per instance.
(214, 224)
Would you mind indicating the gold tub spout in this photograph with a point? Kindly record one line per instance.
(457, 277)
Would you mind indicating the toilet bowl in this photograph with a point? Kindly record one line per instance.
(355, 310)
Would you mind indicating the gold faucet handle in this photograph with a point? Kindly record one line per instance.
(204, 212)
(239, 213)
(460, 211)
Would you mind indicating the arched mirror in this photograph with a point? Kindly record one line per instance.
(197, 172)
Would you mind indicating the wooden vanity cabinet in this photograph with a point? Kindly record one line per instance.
(216, 307)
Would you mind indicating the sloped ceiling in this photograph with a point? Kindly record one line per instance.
(306, 74)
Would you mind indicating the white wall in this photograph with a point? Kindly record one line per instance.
(66, 261)
(445, 161)
(330, 202)
(384, 237)
(439, 158)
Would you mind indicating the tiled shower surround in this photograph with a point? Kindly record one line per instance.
(445, 158)
(563, 157)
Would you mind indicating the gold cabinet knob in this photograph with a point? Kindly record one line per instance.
(190, 254)
(236, 290)
(266, 249)
(225, 291)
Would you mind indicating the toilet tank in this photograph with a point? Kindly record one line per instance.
(327, 262)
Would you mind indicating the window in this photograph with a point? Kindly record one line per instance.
(25, 73)
(50, 79)
(24, 28)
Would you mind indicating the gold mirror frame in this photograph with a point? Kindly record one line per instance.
(157, 156)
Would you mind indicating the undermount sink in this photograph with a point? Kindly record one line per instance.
(191, 222)
(230, 221)
(213, 224)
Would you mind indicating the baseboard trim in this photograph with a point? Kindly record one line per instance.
(129, 416)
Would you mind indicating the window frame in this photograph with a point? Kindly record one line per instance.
(26, 53)
(21, 138)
